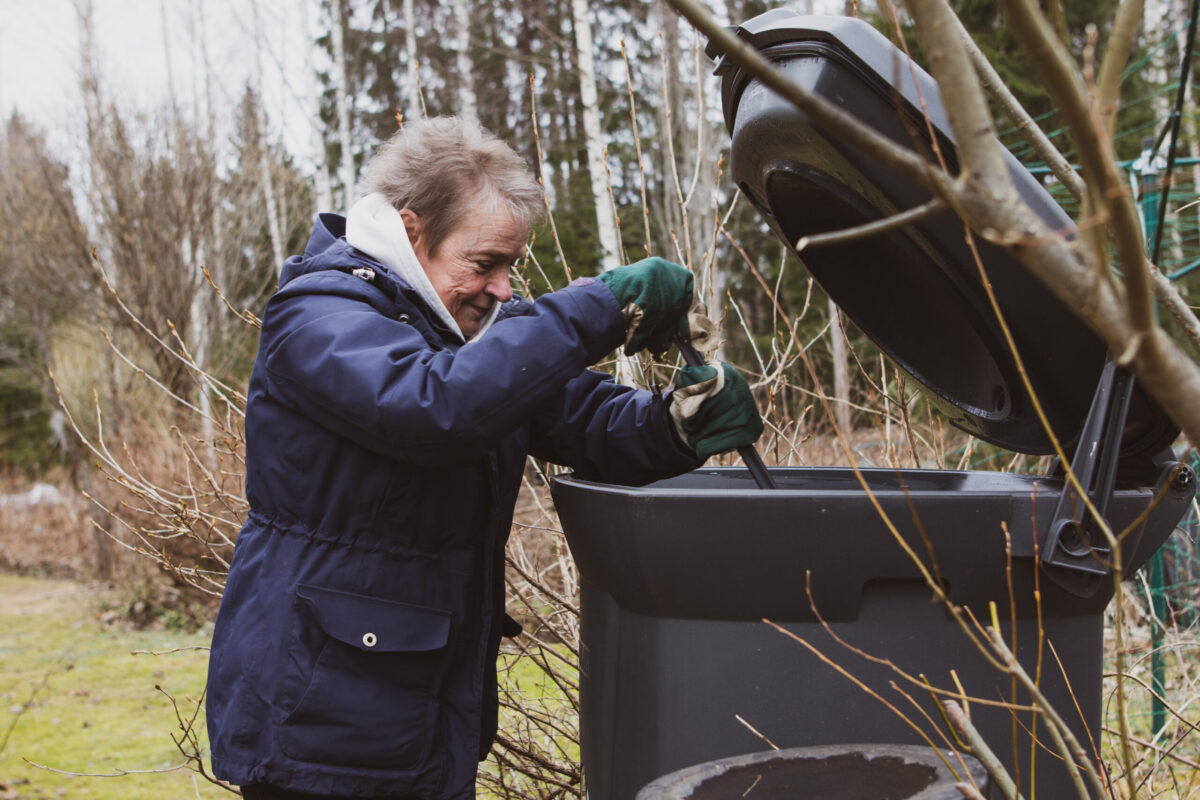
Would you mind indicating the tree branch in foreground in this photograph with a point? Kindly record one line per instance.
(1068, 270)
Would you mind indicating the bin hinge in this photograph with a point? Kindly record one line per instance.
(1075, 553)
(714, 51)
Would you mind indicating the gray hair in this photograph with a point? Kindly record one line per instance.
(439, 167)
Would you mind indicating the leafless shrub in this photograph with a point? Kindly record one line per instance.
(174, 496)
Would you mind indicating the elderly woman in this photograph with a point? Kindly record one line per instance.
(398, 388)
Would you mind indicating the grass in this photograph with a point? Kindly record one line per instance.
(74, 698)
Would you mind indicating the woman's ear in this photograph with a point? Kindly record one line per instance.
(412, 225)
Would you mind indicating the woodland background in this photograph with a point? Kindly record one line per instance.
(141, 243)
(612, 102)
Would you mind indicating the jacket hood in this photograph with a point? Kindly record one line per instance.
(328, 249)
(376, 228)
(373, 235)
(326, 231)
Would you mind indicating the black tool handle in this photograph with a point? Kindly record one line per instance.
(749, 455)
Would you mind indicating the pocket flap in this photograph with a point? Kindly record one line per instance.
(375, 625)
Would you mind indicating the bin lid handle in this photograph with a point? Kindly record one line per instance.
(1075, 554)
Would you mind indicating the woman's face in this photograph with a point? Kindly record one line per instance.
(469, 271)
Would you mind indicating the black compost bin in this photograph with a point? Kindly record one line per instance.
(677, 576)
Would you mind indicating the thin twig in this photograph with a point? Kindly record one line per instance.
(979, 749)
(756, 732)
(874, 228)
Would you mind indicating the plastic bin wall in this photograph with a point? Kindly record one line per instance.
(677, 578)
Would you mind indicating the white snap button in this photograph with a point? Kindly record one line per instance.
(369, 639)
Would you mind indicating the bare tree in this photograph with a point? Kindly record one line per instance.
(466, 67)
(413, 85)
(44, 274)
(841, 368)
(346, 171)
(265, 177)
(324, 196)
(584, 50)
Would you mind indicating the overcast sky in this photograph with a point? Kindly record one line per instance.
(39, 59)
(39, 56)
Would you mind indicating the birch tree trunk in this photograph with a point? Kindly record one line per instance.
(211, 251)
(200, 323)
(264, 160)
(324, 195)
(693, 150)
(606, 225)
(89, 85)
(346, 171)
(668, 123)
(413, 108)
(703, 199)
(468, 107)
(268, 189)
(200, 32)
(841, 370)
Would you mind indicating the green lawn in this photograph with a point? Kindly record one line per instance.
(73, 697)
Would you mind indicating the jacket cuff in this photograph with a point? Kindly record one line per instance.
(673, 425)
(688, 459)
(604, 325)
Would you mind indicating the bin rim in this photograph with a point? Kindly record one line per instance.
(671, 785)
(974, 482)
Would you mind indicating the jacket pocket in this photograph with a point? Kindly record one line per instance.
(361, 684)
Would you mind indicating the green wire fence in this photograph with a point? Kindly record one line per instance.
(1170, 582)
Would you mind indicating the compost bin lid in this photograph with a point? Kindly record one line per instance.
(915, 291)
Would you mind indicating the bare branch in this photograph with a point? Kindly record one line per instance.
(964, 728)
(980, 152)
(1099, 162)
(915, 214)
(994, 85)
(1121, 40)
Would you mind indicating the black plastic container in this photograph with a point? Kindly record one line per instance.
(677, 577)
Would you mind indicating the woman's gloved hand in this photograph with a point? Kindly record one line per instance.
(713, 409)
(654, 295)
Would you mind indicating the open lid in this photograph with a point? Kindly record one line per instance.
(915, 291)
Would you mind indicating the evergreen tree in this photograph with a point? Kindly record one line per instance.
(44, 275)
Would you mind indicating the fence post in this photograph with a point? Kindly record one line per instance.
(1147, 168)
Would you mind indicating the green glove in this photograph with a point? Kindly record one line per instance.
(713, 409)
(654, 295)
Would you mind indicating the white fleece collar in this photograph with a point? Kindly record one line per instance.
(376, 228)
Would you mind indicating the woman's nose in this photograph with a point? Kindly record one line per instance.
(498, 287)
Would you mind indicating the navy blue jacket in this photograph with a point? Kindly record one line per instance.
(355, 648)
